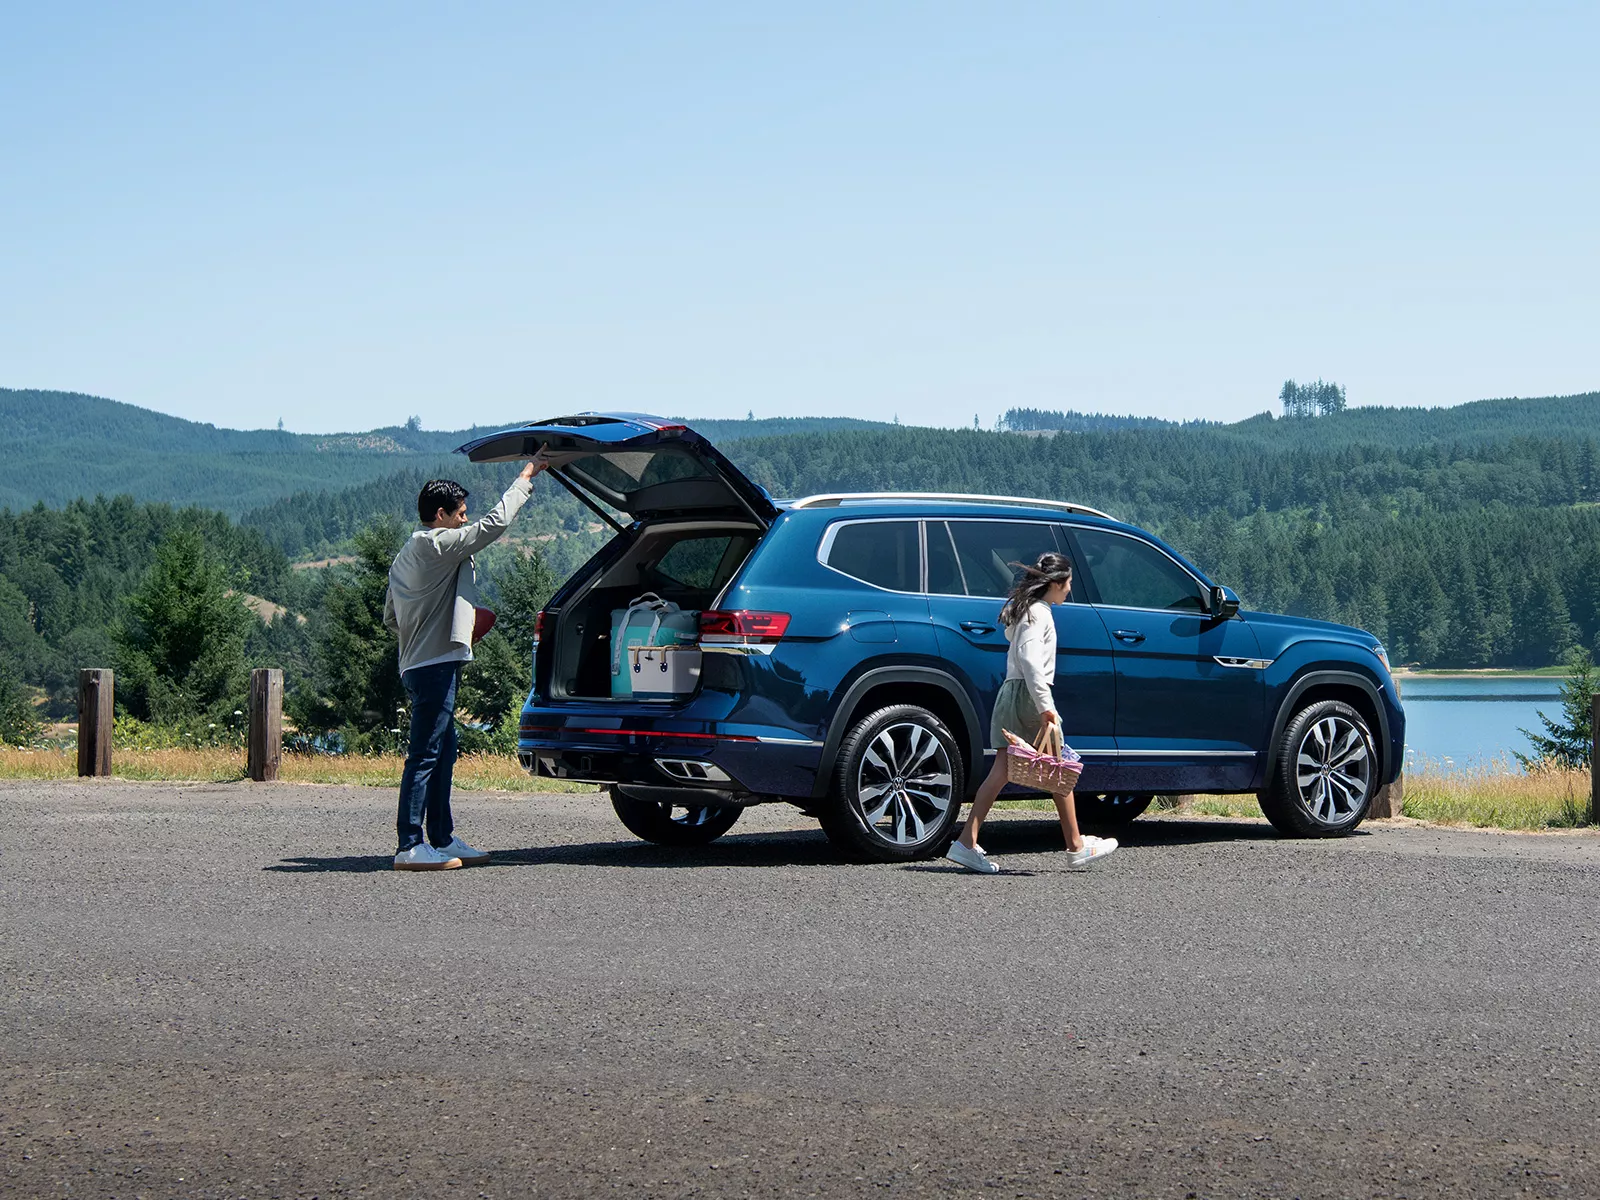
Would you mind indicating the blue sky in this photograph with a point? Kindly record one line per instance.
(344, 214)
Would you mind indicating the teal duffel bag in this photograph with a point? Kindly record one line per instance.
(647, 621)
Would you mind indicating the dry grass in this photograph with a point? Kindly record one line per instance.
(1499, 798)
(474, 772)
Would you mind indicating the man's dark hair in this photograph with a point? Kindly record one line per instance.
(438, 494)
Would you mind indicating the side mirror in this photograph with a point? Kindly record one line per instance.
(1224, 604)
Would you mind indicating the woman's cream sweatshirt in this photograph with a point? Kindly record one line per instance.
(1032, 655)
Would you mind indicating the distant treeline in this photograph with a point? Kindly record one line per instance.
(1037, 420)
(1319, 399)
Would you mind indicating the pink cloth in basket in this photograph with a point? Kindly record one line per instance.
(1031, 768)
(1029, 754)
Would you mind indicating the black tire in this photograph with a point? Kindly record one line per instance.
(1326, 772)
(673, 824)
(1111, 810)
(873, 811)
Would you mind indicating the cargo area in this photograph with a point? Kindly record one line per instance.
(686, 563)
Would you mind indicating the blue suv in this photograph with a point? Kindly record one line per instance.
(849, 653)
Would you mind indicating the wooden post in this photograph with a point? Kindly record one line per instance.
(96, 713)
(1594, 759)
(1386, 801)
(265, 744)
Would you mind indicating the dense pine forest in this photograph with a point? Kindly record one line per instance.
(1464, 537)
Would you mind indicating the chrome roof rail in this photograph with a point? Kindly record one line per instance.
(835, 499)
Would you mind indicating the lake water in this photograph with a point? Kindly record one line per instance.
(1471, 720)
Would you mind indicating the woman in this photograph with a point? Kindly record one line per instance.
(1026, 707)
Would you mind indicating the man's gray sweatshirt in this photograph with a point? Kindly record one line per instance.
(432, 599)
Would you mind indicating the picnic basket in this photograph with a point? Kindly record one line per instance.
(1033, 768)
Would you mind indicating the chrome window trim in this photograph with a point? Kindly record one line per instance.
(1133, 537)
(825, 546)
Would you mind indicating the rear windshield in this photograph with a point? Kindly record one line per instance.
(623, 474)
(702, 564)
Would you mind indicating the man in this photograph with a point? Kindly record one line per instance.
(431, 608)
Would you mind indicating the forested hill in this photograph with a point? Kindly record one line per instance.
(58, 446)
(1463, 537)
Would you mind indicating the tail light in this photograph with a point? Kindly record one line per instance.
(538, 630)
(742, 627)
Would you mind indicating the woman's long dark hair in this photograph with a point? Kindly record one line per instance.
(1032, 583)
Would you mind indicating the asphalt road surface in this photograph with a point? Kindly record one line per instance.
(223, 990)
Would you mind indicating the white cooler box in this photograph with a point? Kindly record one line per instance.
(664, 672)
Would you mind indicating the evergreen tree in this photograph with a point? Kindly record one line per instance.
(19, 725)
(1567, 742)
(356, 667)
(1545, 632)
(181, 644)
(522, 589)
(493, 685)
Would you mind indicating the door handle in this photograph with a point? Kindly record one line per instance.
(976, 627)
(1132, 636)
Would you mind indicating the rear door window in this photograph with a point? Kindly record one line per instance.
(1129, 572)
(885, 553)
(944, 575)
(986, 549)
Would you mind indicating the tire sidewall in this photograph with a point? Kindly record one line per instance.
(843, 820)
(1286, 810)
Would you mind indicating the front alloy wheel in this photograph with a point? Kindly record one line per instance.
(1326, 772)
(897, 787)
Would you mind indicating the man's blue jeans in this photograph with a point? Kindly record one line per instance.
(431, 756)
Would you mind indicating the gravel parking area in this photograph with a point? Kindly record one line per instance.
(223, 990)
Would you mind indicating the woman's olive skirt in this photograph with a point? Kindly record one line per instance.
(1013, 710)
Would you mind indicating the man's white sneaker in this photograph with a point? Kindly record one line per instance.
(423, 857)
(459, 849)
(1093, 848)
(972, 860)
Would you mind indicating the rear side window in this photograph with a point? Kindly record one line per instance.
(986, 548)
(885, 553)
(1131, 573)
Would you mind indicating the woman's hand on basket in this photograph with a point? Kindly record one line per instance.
(1049, 739)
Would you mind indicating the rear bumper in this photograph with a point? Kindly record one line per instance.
(656, 751)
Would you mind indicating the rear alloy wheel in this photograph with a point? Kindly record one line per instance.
(673, 824)
(1109, 810)
(1326, 772)
(897, 787)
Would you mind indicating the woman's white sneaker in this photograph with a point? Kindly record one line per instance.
(1093, 848)
(972, 860)
(423, 857)
(459, 849)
